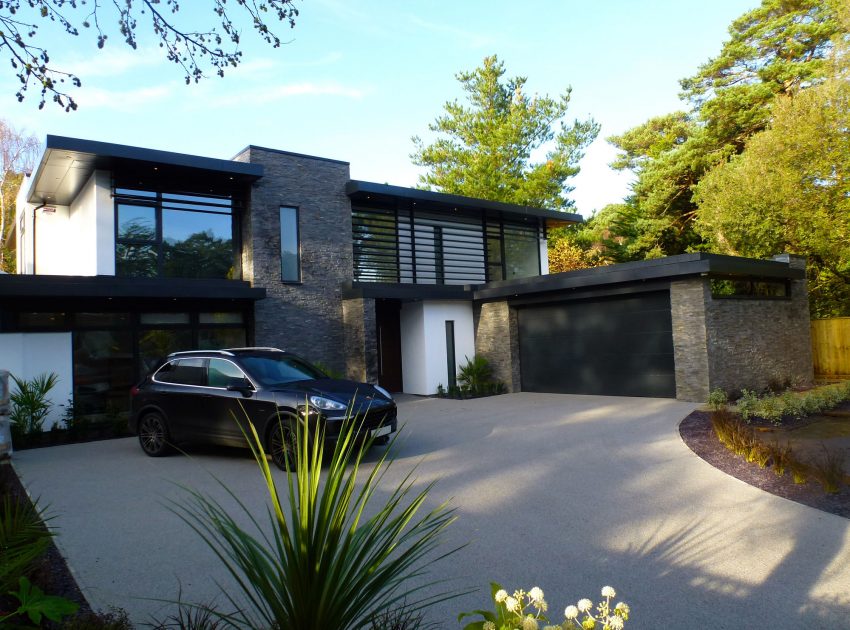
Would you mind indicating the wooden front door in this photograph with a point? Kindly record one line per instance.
(389, 344)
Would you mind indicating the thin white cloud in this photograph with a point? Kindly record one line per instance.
(262, 95)
(123, 100)
(468, 38)
(111, 61)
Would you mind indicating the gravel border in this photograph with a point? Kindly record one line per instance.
(696, 432)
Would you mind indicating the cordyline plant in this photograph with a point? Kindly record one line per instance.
(324, 566)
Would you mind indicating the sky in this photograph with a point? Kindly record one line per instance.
(355, 80)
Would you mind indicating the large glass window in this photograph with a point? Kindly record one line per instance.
(103, 370)
(290, 248)
(173, 235)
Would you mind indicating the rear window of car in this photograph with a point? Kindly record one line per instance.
(183, 372)
(279, 370)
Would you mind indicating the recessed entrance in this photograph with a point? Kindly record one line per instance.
(389, 344)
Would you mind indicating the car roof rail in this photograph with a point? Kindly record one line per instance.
(226, 352)
(268, 349)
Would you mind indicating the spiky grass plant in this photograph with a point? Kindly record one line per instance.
(23, 539)
(782, 457)
(324, 565)
(828, 469)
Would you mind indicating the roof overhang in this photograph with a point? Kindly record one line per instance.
(367, 191)
(668, 268)
(68, 163)
(82, 287)
(405, 292)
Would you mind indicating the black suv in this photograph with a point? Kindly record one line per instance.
(204, 395)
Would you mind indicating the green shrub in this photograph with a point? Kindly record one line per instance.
(475, 374)
(746, 404)
(326, 564)
(29, 404)
(23, 539)
(828, 469)
(717, 399)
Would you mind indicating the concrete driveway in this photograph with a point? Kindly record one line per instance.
(568, 493)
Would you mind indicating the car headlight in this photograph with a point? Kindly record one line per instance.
(326, 404)
(383, 391)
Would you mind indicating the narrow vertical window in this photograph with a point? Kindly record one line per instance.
(290, 246)
(450, 353)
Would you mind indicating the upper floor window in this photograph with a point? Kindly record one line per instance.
(290, 245)
(173, 235)
(393, 244)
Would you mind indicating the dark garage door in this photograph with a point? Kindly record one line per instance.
(621, 346)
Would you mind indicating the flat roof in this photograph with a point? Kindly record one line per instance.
(30, 286)
(360, 190)
(669, 267)
(67, 163)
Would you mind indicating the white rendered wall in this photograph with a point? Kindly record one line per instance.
(27, 355)
(23, 254)
(544, 257)
(75, 240)
(423, 342)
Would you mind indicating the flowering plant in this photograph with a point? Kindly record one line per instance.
(525, 611)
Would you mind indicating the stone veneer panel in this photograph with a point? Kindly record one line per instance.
(361, 343)
(757, 344)
(497, 339)
(305, 318)
(690, 342)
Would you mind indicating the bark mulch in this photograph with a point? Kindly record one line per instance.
(696, 431)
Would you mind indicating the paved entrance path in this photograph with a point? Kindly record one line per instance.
(568, 493)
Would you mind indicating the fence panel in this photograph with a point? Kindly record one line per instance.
(831, 347)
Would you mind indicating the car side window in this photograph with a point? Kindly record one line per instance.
(222, 373)
(183, 372)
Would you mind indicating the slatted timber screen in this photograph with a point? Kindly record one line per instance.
(420, 247)
(831, 347)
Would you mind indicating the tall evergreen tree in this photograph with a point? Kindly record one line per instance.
(485, 148)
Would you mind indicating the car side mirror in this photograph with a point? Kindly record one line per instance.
(245, 389)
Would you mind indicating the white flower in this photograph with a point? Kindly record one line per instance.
(512, 603)
(500, 596)
(570, 612)
(622, 606)
(529, 623)
(536, 594)
(489, 625)
(584, 605)
(615, 623)
(607, 591)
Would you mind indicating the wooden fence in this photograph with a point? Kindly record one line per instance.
(831, 347)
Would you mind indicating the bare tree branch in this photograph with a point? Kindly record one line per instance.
(194, 51)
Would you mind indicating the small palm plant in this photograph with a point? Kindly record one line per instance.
(30, 405)
(325, 565)
(475, 374)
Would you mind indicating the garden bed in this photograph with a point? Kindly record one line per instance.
(696, 431)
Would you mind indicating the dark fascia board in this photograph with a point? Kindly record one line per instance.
(17, 286)
(293, 154)
(669, 267)
(84, 156)
(123, 151)
(405, 292)
(356, 188)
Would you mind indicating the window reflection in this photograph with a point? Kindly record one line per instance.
(103, 370)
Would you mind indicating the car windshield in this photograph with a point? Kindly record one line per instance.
(277, 370)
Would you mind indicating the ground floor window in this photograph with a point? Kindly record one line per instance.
(113, 350)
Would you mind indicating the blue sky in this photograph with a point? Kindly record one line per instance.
(357, 79)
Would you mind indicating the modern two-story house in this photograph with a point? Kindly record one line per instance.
(126, 254)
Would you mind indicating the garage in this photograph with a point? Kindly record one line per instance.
(615, 346)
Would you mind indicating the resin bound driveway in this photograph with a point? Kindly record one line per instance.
(566, 492)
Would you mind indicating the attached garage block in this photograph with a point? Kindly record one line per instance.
(617, 346)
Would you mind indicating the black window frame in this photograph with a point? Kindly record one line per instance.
(297, 216)
(161, 200)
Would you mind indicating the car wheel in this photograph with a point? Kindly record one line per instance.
(153, 434)
(281, 443)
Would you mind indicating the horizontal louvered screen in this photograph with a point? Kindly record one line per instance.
(409, 247)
